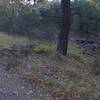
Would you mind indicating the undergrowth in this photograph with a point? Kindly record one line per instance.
(42, 48)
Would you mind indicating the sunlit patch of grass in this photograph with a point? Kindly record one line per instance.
(7, 40)
(75, 52)
(43, 48)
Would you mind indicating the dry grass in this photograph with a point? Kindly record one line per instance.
(70, 76)
(7, 40)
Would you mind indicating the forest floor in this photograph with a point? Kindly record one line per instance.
(45, 76)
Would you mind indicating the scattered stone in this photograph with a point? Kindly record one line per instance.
(29, 67)
(49, 73)
(97, 97)
(14, 92)
(89, 46)
(47, 98)
(61, 82)
(3, 96)
(29, 92)
(82, 98)
(22, 88)
(6, 75)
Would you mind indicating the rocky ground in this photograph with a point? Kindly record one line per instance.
(38, 77)
(91, 47)
(13, 86)
(27, 76)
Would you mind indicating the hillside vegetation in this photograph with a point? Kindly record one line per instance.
(75, 75)
(50, 50)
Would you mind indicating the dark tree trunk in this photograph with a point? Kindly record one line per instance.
(65, 27)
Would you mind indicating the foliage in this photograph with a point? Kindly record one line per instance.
(76, 53)
(25, 19)
(35, 21)
(7, 41)
(43, 49)
(86, 16)
(95, 1)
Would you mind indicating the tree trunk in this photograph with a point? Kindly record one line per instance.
(65, 27)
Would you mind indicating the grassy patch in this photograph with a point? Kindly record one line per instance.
(42, 48)
(75, 52)
(7, 40)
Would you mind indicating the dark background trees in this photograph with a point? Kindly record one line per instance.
(45, 19)
(86, 17)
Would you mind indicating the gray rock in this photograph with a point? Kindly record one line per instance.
(49, 73)
(61, 82)
(82, 98)
(6, 75)
(29, 92)
(14, 92)
(3, 96)
(29, 67)
(22, 88)
(48, 98)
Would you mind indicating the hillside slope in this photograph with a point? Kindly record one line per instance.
(44, 75)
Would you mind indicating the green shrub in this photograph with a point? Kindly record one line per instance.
(96, 66)
(43, 49)
(77, 54)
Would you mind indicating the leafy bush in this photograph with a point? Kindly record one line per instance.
(43, 49)
(85, 17)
